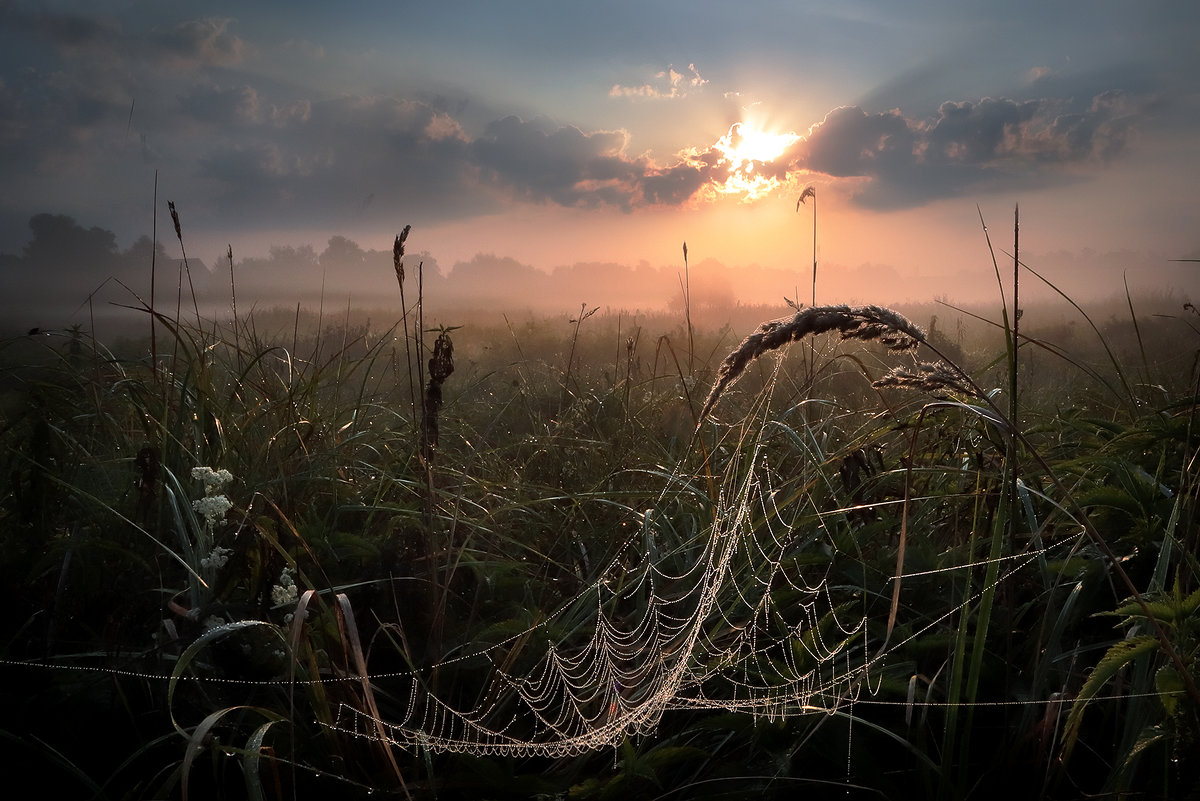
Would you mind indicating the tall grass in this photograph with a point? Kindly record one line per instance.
(1025, 574)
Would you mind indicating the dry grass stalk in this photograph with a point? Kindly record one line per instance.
(398, 265)
(867, 323)
(186, 268)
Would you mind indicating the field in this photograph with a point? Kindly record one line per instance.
(605, 555)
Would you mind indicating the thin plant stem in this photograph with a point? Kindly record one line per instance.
(233, 302)
(687, 310)
(398, 265)
(153, 255)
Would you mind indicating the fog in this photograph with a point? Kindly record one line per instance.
(69, 274)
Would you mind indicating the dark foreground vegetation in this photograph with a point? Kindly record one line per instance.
(398, 498)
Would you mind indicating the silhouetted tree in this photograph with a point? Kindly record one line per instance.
(342, 253)
(61, 246)
(139, 254)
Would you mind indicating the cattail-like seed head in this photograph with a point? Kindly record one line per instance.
(441, 364)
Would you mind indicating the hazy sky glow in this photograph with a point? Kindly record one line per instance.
(560, 132)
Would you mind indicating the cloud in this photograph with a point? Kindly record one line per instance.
(674, 186)
(67, 31)
(967, 145)
(851, 142)
(563, 165)
(1037, 75)
(901, 162)
(222, 106)
(243, 146)
(206, 41)
(321, 159)
(666, 84)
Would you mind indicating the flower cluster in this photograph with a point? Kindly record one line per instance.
(216, 558)
(213, 479)
(285, 592)
(213, 508)
(214, 504)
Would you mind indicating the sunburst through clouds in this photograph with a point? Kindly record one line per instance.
(750, 152)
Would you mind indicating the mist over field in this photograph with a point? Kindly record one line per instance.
(69, 273)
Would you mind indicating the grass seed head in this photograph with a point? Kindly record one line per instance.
(398, 253)
(866, 323)
(175, 219)
(929, 377)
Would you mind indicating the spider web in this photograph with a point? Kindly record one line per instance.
(729, 622)
(740, 617)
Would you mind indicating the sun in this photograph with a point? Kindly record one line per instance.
(745, 142)
(747, 149)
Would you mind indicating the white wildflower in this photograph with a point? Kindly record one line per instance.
(213, 508)
(216, 558)
(285, 592)
(213, 479)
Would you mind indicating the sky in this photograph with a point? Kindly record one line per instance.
(556, 133)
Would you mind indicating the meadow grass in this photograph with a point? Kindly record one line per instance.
(1025, 575)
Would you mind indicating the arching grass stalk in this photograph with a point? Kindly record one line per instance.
(867, 323)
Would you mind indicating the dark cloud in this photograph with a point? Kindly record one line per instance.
(563, 165)
(322, 160)
(977, 133)
(675, 185)
(69, 30)
(980, 145)
(850, 142)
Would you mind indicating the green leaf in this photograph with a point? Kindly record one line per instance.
(1169, 685)
(1115, 658)
(1159, 610)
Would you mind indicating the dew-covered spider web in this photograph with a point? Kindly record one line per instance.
(743, 618)
(731, 622)
(743, 614)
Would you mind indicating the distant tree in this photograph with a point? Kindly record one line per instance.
(293, 258)
(60, 245)
(140, 253)
(342, 253)
(496, 281)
